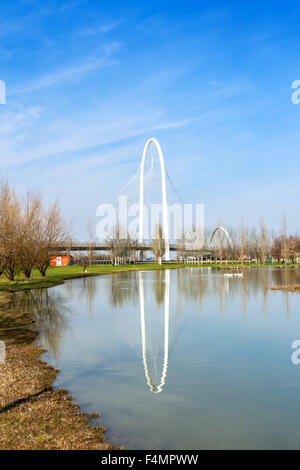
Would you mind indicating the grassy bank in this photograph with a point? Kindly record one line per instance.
(32, 414)
(57, 275)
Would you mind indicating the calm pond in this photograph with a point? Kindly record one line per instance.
(178, 359)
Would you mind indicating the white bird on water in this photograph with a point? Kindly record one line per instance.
(234, 274)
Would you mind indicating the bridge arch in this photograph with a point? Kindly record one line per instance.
(165, 223)
(219, 228)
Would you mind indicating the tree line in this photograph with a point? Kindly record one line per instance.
(255, 244)
(29, 232)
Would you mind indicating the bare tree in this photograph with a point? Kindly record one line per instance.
(276, 248)
(159, 244)
(254, 245)
(220, 236)
(28, 232)
(284, 241)
(53, 232)
(31, 220)
(242, 242)
(10, 231)
(286, 248)
(181, 248)
(120, 247)
(292, 248)
(263, 240)
(91, 242)
(82, 260)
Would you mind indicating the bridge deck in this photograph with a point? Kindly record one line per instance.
(85, 246)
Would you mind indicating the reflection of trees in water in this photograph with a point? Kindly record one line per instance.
(200, 283)
(159, 287)
(87, 292)
(265, 290)
(84, 290)
(195, 284)
(191, 285)
(123, 289)
(50, 312)
(285, 276)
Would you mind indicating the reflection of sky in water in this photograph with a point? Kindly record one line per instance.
(229, 380)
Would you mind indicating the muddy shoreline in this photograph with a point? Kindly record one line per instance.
(33, 415)
(294, 288)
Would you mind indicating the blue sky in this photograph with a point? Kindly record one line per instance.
(88, 82)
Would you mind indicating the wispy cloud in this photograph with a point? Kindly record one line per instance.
(15, 25)
(71, 72)
(62, 137)
(103, 28)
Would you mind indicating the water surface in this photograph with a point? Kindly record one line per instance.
(178, 359)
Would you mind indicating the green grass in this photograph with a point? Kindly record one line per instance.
(57, 275)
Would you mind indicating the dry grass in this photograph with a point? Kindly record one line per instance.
(32, 414)
(23, 375)
(294, 288)
(49, 421)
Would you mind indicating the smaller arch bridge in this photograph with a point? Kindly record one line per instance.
(219, 228)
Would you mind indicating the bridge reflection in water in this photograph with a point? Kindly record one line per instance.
(155, 388)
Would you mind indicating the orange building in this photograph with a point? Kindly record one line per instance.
(61, 260)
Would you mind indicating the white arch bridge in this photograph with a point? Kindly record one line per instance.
(142, 244)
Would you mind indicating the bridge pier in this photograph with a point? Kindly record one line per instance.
(141, 255)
